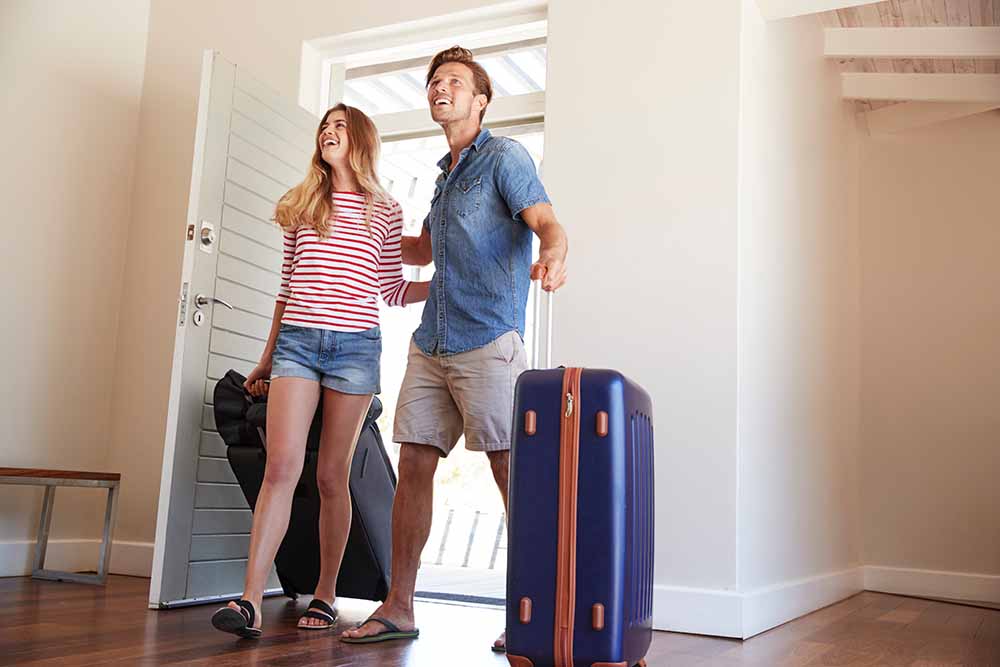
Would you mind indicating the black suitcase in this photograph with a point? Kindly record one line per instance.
(365, 571)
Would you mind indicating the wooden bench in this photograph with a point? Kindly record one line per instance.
(50, 479)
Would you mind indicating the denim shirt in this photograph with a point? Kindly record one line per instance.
(482, 247)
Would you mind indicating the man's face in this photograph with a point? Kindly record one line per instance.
(451, 95)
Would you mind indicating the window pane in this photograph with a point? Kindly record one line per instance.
(514, 73)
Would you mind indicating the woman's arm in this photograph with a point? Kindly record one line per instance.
(416, 292)
(256, 382)
(272, 337)
(396, 291)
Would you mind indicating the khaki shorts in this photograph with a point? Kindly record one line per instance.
(472, 392)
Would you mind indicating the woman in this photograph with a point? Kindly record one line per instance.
(342, 236)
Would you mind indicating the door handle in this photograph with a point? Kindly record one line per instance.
(202, 300)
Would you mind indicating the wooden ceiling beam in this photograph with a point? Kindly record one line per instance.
(942, 42)
(773, 10)
(966, 88)
(911, 115)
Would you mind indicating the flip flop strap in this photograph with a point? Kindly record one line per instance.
(323, 608)
(247, 610)
(318, 615)
(389, 625)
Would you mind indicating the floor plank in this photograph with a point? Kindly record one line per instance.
(44, 623)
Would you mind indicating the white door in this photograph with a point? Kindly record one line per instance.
(251, 146)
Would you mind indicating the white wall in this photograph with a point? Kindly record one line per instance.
(686, 208)
(641, 164)
(267, 40)
(798, 326)
(931, 358)
(685, 182)
(71, 75)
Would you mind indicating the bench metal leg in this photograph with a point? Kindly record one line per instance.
(43, 539)
(109, 526)
(42, 543)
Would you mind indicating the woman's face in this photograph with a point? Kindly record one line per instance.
(333, 141)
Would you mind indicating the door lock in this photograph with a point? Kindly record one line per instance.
(207, 236)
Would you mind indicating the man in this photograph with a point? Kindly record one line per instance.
(468, 351)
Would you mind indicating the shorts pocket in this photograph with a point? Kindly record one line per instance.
(506, 348)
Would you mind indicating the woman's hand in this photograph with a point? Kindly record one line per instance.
(257, 382)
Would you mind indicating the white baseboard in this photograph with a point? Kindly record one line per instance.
(741, 615)
(770, 607)
(933, 583)
(700, 611)
(130, 558)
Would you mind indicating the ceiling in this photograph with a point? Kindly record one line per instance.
(916, 14)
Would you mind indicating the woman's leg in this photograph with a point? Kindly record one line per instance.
(343, 417)
(291, 406)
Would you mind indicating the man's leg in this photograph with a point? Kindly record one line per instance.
(426, 414)
(483, 382)
(411, 525)
(500, 464)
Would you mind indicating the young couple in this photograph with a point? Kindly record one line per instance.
(343, 246)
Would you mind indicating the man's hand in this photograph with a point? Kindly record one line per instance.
(417, 250)
(550, 269)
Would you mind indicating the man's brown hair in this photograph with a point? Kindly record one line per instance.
(480, 78)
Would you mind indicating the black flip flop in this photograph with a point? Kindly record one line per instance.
(321, 611)
(499, 649)
(392, 631)
(237, 622)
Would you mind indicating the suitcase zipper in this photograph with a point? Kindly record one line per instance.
(569, 454)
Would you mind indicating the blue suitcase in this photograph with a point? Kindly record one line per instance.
(580, 554)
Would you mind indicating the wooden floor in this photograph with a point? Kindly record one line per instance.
(52, 623)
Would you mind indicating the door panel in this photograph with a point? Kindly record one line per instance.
(251, 146)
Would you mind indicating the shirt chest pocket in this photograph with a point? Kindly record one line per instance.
(467, 195)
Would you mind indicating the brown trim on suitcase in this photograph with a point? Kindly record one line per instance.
(525, 611)
(602, 423)
(615, 664)
(530, 422)
(569, 455)
(519, 661)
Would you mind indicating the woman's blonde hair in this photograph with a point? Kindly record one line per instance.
(310, 203)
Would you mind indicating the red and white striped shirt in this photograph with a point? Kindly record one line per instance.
(333, 283)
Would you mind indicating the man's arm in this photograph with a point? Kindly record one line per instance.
(417, 249)
(551, 264)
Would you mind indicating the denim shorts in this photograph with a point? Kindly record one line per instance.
(344, 361)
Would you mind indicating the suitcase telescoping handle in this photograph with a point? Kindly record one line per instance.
(541, 296)
(550, 297)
